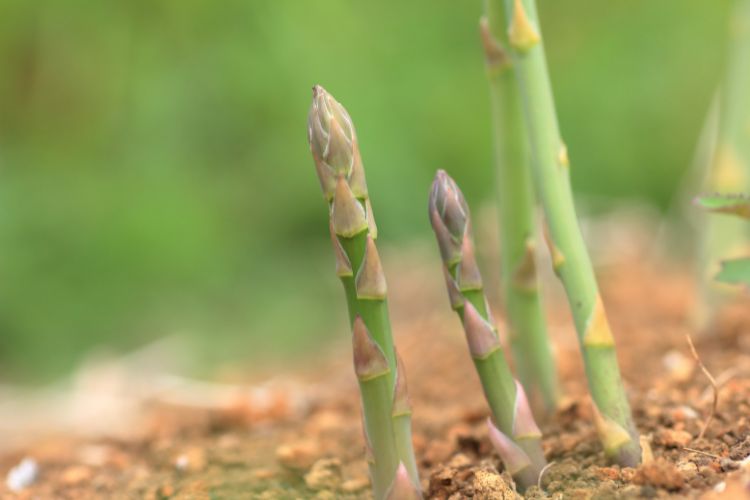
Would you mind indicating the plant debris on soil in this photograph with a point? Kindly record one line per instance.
(307, 442)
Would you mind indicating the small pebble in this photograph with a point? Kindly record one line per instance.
(22, 475)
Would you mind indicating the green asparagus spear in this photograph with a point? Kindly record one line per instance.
(528, 332)
(387, 416)
(550, 169)
(516, 436)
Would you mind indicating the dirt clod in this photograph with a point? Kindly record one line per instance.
(660, 474)
(324, 474)
(670, 438)
(491, 486)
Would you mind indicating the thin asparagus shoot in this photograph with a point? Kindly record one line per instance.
(517, 438)
(550, 171)
(387, 417)
(528, 331)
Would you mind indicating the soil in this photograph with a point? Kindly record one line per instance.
(302, 439)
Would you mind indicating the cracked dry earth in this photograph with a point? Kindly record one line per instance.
(305, 441)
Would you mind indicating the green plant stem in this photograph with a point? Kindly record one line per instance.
(528, 331)
(334, 147)
(376, 393)
(550, 169)
(519, 439)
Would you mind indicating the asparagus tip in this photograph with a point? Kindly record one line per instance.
(369, 360)
(402, 488)
(332, 138)
(480, 335)
(514, 458)
(449, 215)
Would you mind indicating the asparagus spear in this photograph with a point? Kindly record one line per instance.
(729, 171)
(523, 306)
(387, 415)
(517, 438)
(550, 169)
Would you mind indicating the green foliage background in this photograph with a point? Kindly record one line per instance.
(155, 176)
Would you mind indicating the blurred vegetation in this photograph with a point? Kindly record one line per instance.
(155, 176)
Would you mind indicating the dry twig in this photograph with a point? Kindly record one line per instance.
(711, 379)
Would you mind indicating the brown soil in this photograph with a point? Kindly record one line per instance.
(307, 442)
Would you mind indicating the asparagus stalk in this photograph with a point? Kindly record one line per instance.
(528, 332)
(550, 171)
(387, 415)
(729, 172)
(516, 436)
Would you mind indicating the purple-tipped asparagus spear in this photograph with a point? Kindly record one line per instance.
(515, 435)
(387, 414)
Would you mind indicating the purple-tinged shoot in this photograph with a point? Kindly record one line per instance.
(402, 488)
(514, 458)
(480, 335)
(333, 143)
(449, 216)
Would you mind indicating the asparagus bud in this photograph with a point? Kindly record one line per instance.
(333, 143)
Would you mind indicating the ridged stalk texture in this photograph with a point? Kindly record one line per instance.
(515, 434)
(387, 414)
(523, 306)
(550, 169)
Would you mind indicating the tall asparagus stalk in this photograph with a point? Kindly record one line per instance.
(523, 306)
(382, 383)
(514, 434)
(550, 167)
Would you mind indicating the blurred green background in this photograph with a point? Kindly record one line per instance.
(155, 176)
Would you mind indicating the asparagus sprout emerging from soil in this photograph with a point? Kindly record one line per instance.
(514, 434)
(550, 171)
(387, 415)
(735, 270)
(516, 203)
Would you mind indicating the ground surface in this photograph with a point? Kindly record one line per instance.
(302, 438)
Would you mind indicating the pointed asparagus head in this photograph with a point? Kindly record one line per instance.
(369, 360)
(401, 401)
(333, 143)
(449, 216)
(480, 335)
(402, 488)
(514, 458)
